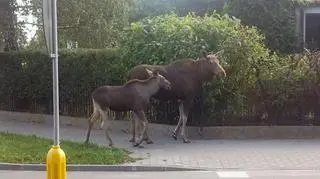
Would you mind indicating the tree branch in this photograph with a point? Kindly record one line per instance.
(29, 23)
(59, 26)
(28, 6)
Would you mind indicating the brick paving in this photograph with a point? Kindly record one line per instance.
(210, 154)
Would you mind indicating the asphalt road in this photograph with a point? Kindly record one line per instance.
(264, 174)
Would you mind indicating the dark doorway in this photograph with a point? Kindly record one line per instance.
(313, 31)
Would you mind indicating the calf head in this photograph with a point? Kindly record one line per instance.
(163, 82)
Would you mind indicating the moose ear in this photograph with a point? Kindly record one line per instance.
(219, 53)
(204, 53)
(150, 73)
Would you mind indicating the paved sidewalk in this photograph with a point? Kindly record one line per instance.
(210, 154)
(297, 174)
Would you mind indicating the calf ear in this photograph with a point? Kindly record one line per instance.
(150, 73)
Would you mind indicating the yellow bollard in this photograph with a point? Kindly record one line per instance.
(56, 163)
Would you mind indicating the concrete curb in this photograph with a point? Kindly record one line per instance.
(194, 133)
(108, 168)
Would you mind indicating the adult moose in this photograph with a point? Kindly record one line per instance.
(186, 77)
(134, 96)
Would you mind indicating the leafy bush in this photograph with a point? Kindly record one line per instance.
(162, 39)
(290, 93)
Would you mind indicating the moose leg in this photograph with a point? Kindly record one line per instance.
(117, 115)
(174, 135)
(107, 130)
(133, 128)
(186, 108)
(89, 131)
(93, 117)
(108, 137)
(146, 136)
(144, 121)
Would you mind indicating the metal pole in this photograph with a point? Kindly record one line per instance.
(56, 159)
(55, 74)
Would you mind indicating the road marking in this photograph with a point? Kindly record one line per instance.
(232, 174)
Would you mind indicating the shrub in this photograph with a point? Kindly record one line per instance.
(290, 92)
(162, 39)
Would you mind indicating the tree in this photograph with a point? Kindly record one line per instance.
(275, 18)
(91, 23)
(145, 8)
(151, 8)
(11, 33)
(200, 7)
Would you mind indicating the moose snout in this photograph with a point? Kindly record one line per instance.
(221, 73)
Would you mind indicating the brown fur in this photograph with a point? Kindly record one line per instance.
(122, 98)
(186, 78)
(132, 96)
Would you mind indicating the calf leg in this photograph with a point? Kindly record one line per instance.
(144, 121)
(133, 126)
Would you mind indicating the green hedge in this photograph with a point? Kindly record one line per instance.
(287, 93)
(260, 86)
(26, 79)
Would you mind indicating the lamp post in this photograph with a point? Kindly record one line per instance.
(56, 159)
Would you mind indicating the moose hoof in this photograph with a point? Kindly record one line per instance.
(132, 140)
(110, 145)
(138, 145)
(149, 142)
(186, 141)
(86, 142)
(174, 136)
